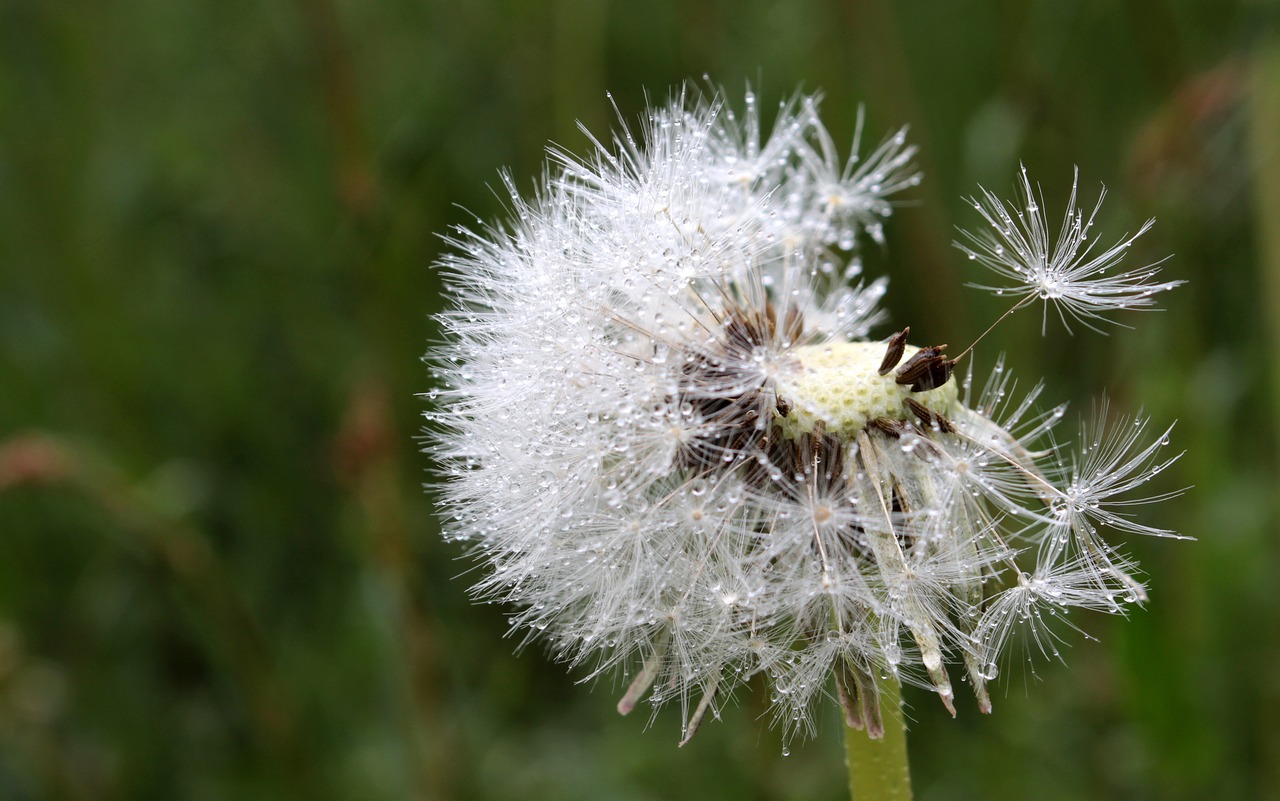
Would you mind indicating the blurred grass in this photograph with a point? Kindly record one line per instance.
(219, 575)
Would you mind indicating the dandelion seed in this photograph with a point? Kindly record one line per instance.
(1068, 273)
(666, 433)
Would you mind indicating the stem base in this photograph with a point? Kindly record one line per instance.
(878, 769)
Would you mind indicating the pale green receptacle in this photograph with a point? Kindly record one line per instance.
(839, 384)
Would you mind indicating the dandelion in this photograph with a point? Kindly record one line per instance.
(668, 435)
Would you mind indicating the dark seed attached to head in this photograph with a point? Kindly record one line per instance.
(887, 425)
(893, 355)
(928, 369)
(929, 417)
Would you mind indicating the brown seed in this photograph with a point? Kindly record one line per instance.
(928, 369)
(893, 355)
(929, 417)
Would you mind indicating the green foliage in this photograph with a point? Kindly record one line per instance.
(219, 575)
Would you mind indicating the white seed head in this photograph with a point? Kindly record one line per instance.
(664, 433)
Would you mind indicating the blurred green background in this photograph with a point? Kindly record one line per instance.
(219, 574)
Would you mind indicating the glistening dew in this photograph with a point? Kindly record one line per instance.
(667, 434)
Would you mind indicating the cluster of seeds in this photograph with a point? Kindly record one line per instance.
(667, 435)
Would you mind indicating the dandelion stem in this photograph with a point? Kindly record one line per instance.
(878, 768)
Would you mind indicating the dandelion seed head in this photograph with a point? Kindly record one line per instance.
(667, 434)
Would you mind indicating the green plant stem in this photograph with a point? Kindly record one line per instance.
(878, 769)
